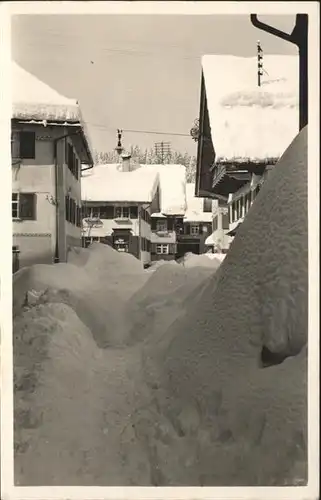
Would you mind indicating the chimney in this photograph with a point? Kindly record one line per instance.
(126, 167)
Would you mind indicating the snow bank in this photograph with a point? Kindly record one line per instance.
(229, 421)
(194, 207)
(73, 405)
(187, 402)
(96, 289)
(267, 116)
(161, 301)
(203, 260)
(109, 183)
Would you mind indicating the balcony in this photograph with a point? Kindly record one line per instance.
(163, 237)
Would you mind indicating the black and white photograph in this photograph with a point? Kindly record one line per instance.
(164, 274)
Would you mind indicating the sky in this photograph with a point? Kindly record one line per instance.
(136, 72)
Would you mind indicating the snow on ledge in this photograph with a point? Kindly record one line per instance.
(248, 122)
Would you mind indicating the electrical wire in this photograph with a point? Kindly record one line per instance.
(150, 132)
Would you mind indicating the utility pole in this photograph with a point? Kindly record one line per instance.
(259, 63)
(299, 37)
(162, 149)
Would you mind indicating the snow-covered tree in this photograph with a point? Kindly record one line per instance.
(149, 156)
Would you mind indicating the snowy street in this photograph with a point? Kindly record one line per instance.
(126, 376)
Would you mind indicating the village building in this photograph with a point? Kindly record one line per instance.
(168, 221)
(219, 240)
(197, 224)
(118, 200)
(50, 147)
(244, 128)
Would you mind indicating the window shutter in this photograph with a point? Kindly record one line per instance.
(170, 224)
(27, 206)
(153, 224)
(134, 212)
(27, 145)
(109, 211)
(153, 247)
(187, 229)
(207, 205)
(225, 221)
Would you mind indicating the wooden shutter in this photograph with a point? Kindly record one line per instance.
(27, 206)
(170, 224)
(27, 145)
(109, 211)
(187, 229)
(207, 205)
(153, 224)
(225, 221)
(134, 212)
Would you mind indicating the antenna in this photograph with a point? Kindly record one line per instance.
(162, 149)
(259, 63)
(119, 148)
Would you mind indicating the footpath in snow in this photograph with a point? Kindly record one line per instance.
(170, 376)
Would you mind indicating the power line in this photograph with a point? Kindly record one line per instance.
(127, 51)
(151, 132)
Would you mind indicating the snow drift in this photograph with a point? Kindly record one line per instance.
(232, 422)
(200, 396)
(96, 284)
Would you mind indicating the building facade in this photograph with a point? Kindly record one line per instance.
(117, 207)
(244, 128)
(219, 241)
(49, 147)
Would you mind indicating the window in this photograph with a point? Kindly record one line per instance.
(122, 213)
(161, 225)
(72, 160)
(162, 249)
(195, 229)
(134, 212)
(215, 223)
(225, 221)
(71, 210)
(207, 205)
(23, 206)
(27, 145)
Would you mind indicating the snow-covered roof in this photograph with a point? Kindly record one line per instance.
(34, 99)
(108, 182)
(249, 122)
(194, 207)
(172, 179)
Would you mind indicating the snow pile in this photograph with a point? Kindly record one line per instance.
(194, 207)
(187, 402)
(195, 260)
(250, 122)
(158, 263)
(162, 300)
(227, 420)
(109, 183)
(95, 286)
(33, 99)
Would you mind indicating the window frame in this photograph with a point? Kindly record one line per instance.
(17, 202)
(161, 223)
(162, 246)
(193, 227)
(24, 156)
(122, 216)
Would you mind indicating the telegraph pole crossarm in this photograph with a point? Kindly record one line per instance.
(299, 37)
